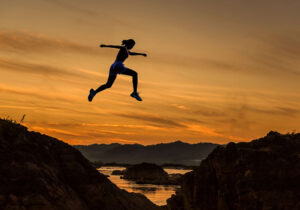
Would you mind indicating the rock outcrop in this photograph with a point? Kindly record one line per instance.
(175, 179)
(40, 172)
(118, 172)
(149, 173)
(263, 175)
(146, 173)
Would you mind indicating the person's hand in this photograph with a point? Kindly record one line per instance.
(145, 55)
(102, 45)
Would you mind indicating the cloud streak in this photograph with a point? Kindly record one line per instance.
(21, 41)
(93, 15)
(36, 69)
(194, 63)
(75, 76)
(283, 111)
(74, 8)
(62, 103)
(157, 120)
(273, 54)
(276, 54)
(35, 94)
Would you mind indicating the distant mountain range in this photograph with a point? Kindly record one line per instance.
(168, 153)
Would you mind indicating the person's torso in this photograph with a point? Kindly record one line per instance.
(122, 55)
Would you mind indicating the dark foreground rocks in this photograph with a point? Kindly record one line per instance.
(40, 172)
(260, 175)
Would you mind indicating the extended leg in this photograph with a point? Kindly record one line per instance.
(108, 84)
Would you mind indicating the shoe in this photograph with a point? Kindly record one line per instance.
(136, 96)
(92, 94)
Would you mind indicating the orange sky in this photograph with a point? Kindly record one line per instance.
(215, 71)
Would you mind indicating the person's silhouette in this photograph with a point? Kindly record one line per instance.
(118, 68)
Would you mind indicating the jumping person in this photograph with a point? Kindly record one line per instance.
(118, 68)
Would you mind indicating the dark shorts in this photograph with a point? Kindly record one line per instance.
(117, 68)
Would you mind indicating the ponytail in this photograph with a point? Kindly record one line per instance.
(128, 42)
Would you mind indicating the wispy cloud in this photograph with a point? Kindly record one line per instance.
(178, 106)
(275, 54)
(194, 63)
(37, 69)
(157, 120)
(73, 7)
(283, 111)
(57, 131)
(269, 56)
(235, 119)
(63, 105)
(125, 141)
(21, 41)
(75, 76)
(209, 112)
(36, 94)
(93, 13)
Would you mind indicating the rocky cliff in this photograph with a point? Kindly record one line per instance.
(40, 172)
(263, 175)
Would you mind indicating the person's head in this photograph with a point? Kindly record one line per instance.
(129, 43)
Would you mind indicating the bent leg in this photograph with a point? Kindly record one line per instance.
(134, 77)
(108, 84)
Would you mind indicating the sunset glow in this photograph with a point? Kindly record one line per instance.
(215, 72)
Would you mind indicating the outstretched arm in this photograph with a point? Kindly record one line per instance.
(134, 53)
(111, 46)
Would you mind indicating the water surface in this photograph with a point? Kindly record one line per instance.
(158, 194)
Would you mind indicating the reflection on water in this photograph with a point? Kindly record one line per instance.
(158, 194)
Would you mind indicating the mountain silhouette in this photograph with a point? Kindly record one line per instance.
(175, 153)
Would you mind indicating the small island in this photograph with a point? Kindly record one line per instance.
(149, 173)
